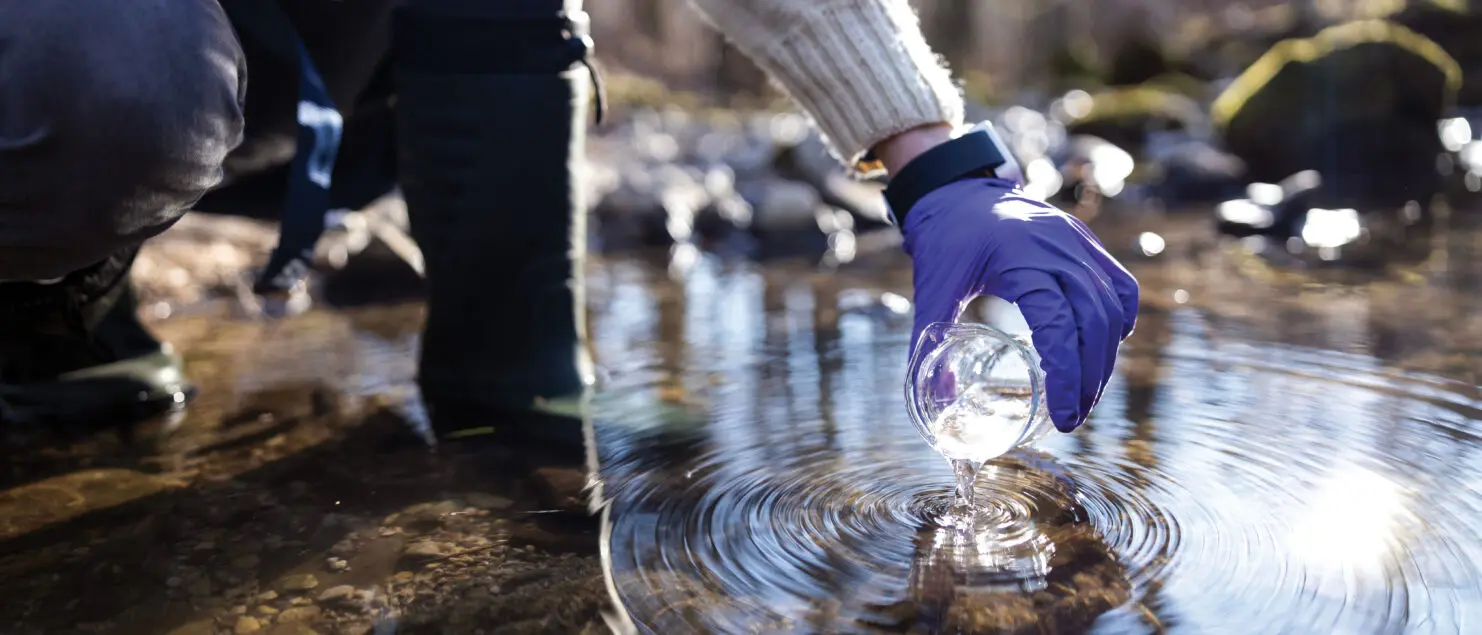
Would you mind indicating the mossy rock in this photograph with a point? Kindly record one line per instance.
(1361, 98)
(1459, 33)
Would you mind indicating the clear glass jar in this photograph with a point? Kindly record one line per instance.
(975, 392)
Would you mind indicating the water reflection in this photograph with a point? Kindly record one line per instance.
(1028, 560)
(291, 476)
(1278, 453)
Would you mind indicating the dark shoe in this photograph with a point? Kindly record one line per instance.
(490, 123)
(74, 352)
(548, 433)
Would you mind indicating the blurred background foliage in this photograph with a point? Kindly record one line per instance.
(1022, 51)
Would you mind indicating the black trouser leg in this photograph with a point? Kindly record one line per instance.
(114, 120)
(491, 113)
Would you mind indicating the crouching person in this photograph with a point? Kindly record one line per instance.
(114, 120)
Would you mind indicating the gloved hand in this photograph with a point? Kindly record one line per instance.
(983, 236)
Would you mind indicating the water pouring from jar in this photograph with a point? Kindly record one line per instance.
(972, 236)
(976, 391)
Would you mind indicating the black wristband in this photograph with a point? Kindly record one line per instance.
(970, 155)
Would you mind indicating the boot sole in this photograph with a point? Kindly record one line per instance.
(123, 392)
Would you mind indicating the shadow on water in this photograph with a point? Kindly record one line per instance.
(1281, 450)
(294, 498)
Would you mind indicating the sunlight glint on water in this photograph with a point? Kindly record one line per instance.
(1318, 491)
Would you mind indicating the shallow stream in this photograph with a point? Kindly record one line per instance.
(1282, 450)
(1279, 452)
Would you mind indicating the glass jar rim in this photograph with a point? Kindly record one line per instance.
(937, 339)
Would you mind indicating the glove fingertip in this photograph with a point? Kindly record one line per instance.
(1066, 420)
(1062, 399)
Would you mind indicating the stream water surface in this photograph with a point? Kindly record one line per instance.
(1279, 452)
(1282, 450)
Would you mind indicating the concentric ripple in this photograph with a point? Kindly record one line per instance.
(1225, 485)
(820, 543)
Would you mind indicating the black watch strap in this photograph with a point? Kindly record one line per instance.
(970, 155)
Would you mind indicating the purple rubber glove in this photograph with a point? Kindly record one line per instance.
(985, 237)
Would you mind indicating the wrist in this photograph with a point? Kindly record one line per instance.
(924, 164)
(895, 152)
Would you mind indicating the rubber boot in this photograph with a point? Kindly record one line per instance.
(74, 353)
(491, 107)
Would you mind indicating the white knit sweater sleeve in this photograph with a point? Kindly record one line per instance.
(860, 68)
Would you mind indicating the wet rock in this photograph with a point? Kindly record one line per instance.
(897, 616)
(489, 501)
(425, 551)
(804, 158)
(1364, 115)
(1193, 171)
(426, 516)
(202, 627)
(295, 628)
(267, 596)
(1138, 58)
(239, 610)
(336, 564)
(435, 510)
(595, 628)
(1092, 167)
(343, 548)
(300, 601)
(267, 610)
(632, 213)
(199, 588)
(1456, 33)
(561, 488)
(1011, 614)
(653, 205)
(542, 540)
(525, 577)
(341, 594)
(300, 614)
(201, 257)
(247, 624)
(572, 595)
(809, 162)
(725, 216)
(781, 206)
(301, 582)
(786, 218)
